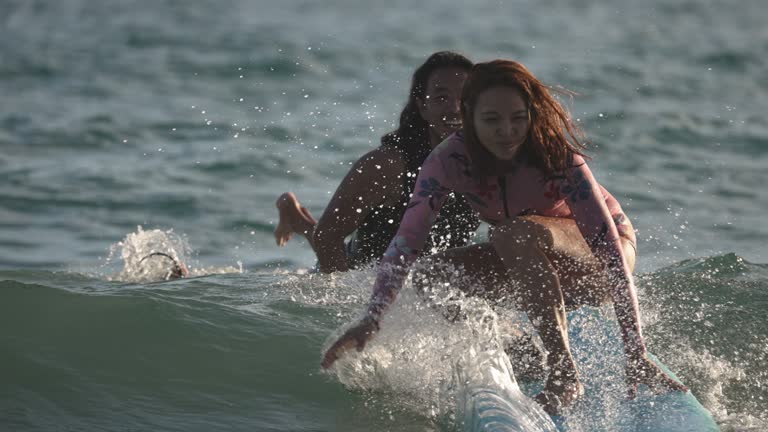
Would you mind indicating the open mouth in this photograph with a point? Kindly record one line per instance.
(455, 124)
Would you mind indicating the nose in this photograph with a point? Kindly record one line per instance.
(505, 129)
(454, 105)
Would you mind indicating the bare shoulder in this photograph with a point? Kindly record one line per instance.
(383, 161)
(378, 175)
(374, 179)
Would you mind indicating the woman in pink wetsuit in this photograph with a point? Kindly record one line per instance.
(555, 231)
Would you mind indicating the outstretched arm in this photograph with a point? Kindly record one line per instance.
(375, 179)
(585, 198)
(428, 197)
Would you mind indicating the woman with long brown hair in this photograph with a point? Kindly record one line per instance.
(558, 240)
(371, 199)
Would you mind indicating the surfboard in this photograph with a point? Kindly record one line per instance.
(490, 399)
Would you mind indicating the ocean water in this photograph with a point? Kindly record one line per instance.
(126, 127)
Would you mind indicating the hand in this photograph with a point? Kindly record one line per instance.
(356, 336)
(641, 370)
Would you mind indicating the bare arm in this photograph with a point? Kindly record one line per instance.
(428, 196)
(584, 197)
(374, 180)
(596, 224)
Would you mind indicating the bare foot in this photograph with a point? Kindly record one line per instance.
(294, 218)
(559, 392)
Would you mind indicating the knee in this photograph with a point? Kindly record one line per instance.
(519, 234)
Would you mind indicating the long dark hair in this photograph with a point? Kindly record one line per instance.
(412, 134)
(552, 139)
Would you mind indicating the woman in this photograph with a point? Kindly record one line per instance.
(371, 199)
(556, 233)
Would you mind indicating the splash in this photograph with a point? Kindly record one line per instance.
(707, 315)
(441, 354)
(156, 255)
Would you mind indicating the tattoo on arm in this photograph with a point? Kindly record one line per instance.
(577, 188)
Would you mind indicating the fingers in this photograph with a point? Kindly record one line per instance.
(659, 382)
(328, 359)
(356, 337)
(336, 350)
(345, 343)
(361, 341)
(680, 387)
(665, 383)
(656, 380)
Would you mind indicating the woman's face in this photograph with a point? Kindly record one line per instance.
(501, 120)
(440, 107)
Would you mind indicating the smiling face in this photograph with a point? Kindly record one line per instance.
(440, 106)
(501, 121)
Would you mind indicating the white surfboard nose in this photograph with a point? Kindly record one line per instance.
(489, 399)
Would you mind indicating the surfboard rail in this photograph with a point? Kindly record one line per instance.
(490, 399)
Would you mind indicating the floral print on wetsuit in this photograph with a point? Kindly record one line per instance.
(523, 190)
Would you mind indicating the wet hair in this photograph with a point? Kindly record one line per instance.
(552, 139)
(412, 134)
(176, 271)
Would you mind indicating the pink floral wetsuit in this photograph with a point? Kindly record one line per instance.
(524, 190)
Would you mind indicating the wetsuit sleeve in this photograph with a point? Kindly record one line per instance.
(588, 205)
(429, 194)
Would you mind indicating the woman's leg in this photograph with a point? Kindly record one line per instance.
(294, 218)
(477, 271)
(552, 266)
(526, 249)
(556, 267)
